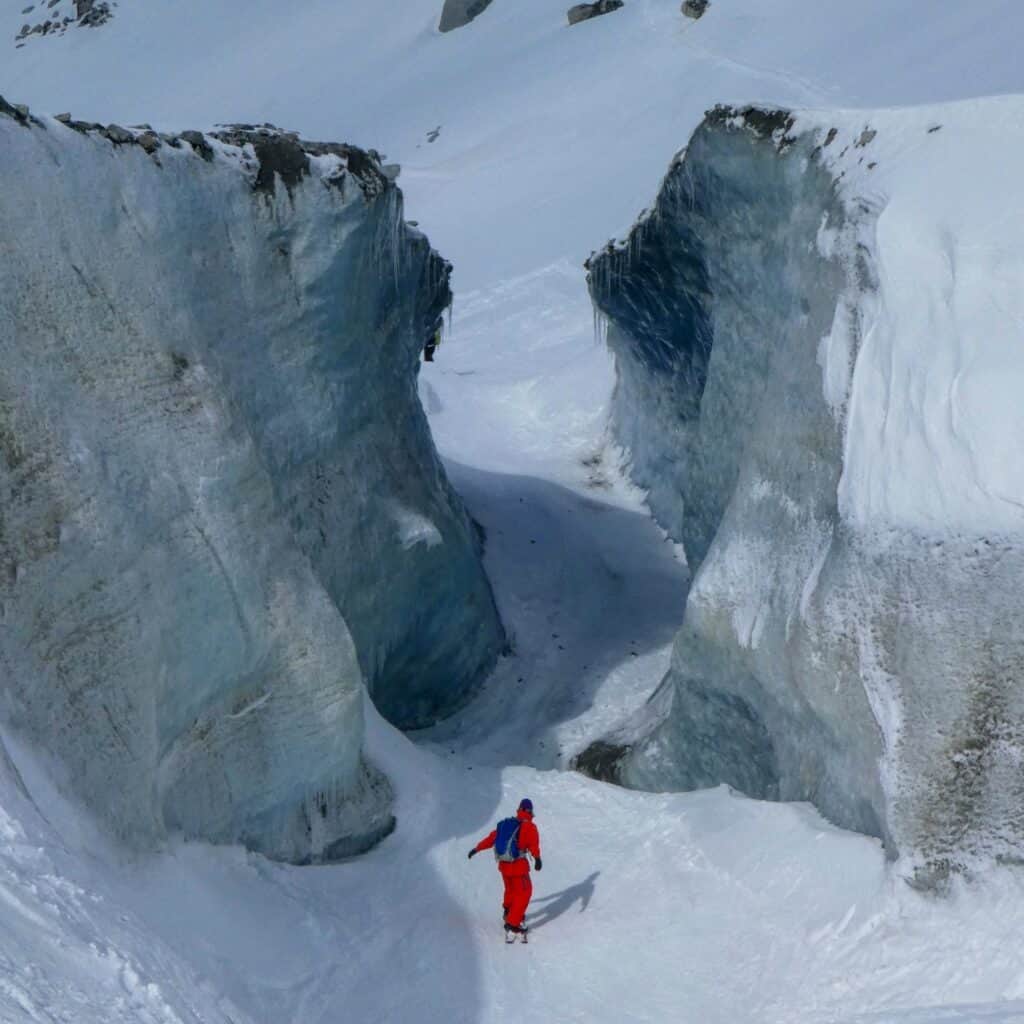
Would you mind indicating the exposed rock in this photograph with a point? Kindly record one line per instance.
(19, 112)
(584, 12)
(282, 155)
(87, 13)
(118, 135)
(764, 122)
(98, 14)
(695, 8)
(198, 142)
(457, 13)
(601, 760)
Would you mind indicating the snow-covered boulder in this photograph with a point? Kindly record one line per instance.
(220, 506)
(695, 8)
(820, 357)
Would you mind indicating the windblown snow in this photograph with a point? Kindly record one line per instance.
(524, 144)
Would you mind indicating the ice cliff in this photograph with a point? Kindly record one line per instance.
(817, 334)
(220, 506)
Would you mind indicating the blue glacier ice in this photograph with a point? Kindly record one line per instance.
(221, 511)
(866, 661)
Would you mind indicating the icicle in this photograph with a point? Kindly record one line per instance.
(396, 238)
(600, 323)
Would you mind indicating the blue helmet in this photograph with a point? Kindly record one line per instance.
(526, 804)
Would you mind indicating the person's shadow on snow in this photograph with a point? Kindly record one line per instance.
(558, 903)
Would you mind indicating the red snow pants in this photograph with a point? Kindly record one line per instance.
(518, 890)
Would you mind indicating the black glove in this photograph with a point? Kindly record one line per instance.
(472, 853)
(537, 863)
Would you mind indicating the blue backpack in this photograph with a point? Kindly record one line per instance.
(506, 845)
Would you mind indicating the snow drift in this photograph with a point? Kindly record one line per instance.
(817, 332)
(221, 505)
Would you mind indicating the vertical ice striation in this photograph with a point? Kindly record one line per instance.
(210, 447)
(849, 636)
(717, 304)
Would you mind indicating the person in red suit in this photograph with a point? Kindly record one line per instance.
(516, 873)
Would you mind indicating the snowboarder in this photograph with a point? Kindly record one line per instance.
(511, 841)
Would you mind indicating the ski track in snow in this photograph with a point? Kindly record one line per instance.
(704, 907)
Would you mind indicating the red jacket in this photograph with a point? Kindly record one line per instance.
(528, 841)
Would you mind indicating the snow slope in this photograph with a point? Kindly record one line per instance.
(551, 140)
(937, 451)
(703, 907)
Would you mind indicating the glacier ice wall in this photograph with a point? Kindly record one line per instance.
(866, 663)
(220, 506)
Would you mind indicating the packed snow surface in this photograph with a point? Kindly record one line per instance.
(705, 907)
(525, 144)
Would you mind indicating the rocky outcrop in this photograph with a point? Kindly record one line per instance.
(220, 507)
(584, 12)
(695, 8)
(57, 16)
(457, 13)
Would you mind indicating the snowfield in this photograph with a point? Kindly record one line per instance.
(699, 907)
